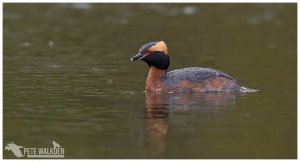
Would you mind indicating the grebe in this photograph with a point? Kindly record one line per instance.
(196, 79)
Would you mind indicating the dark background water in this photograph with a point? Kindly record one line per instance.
(68, 78)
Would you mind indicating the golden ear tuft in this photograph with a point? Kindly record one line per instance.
(160, 46)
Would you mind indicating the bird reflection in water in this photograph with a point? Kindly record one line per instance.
(159, 106)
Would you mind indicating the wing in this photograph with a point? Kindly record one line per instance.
(194, 74)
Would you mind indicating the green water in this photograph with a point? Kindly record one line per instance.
(67, 77)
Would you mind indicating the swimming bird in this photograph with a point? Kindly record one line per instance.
(192, 79)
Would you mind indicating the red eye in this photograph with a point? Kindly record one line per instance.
(148, 52)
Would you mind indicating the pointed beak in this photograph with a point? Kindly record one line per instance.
(137, 57)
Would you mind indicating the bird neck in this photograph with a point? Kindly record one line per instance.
(154, 81)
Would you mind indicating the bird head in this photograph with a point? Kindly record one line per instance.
(154, 54)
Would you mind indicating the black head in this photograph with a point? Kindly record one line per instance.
(154, 54)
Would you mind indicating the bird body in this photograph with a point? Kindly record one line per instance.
(195, 79)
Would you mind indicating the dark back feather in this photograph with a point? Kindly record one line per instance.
(193, 74)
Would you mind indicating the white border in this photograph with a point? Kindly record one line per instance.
(150, 1)
(1, 81)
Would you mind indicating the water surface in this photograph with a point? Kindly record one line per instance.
(68, 78)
